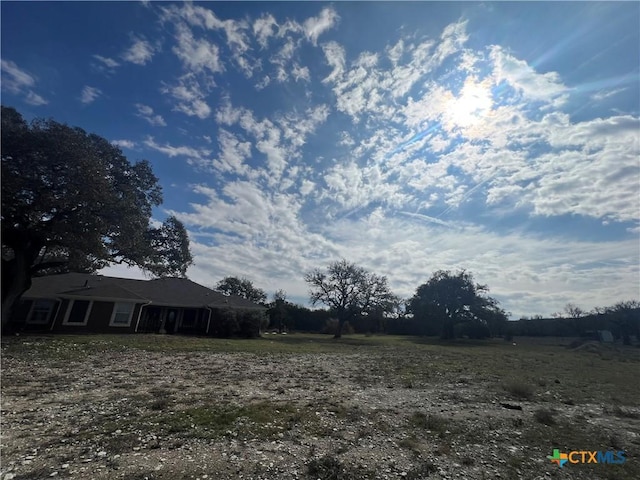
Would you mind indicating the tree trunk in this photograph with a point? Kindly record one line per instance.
(341, 322)
(448, 332)
(16, 279)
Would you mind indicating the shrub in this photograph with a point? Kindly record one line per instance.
(250, 322)
(545, 416)
(326, 468)
(519, 390)
(224, 323)
(435, 423)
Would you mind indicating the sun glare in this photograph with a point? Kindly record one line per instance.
(471, 106)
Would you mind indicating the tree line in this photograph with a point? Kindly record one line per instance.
(448, 304)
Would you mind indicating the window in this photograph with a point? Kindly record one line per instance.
(40, 312)
(121, 316)
(78, 312)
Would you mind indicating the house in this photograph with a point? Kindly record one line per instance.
(78, 302)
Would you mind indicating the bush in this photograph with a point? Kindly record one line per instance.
(224, 323)
(251, 322)
(326, 468)
(228, 323)
(519, 390)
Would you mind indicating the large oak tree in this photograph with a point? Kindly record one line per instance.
(71, 201)
(451, 298)
(349, 291)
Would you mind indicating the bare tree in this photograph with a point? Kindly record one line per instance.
(573, 311)
(349, 290)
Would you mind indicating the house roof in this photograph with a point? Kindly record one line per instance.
(171, 291)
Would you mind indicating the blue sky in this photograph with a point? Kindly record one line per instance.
(502, 138)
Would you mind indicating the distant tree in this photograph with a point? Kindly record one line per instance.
(448, 299)
(626, 317)
(241, 287)
(573, 311)
(349, 291)
(574, 316)
(71, 201)
(278, 310)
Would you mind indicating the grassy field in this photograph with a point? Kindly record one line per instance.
(430, 408)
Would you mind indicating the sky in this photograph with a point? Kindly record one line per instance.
(500, 138)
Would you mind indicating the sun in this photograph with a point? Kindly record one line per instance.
(471, 106)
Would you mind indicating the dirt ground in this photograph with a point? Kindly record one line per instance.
(103, 411)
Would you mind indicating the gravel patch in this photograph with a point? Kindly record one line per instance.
(136, 414)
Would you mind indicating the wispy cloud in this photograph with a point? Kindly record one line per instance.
(196, 54)
(146, 112)
(140, 52)
(316, 26)
(107, 62)
(130, 144)
(264, 28)
(427, 218)
(19, 82)
(190, 97)
(89, 94)
(602, 94)
(34, 99)
(195, 156)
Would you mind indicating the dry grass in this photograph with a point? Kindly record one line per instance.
(361, 407)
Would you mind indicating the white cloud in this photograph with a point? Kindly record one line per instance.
(396, 52)
(15, 79)
(316, 26)
(34, 99)
(19, 82)
(195, 156)
(199, 53)
(107, 62)
(307, 187)
(190, 97)
(366, 87)
(262, 84)
(518, 74)
(263, 28)
(89, 94)
(146, 112)
(130, 144)
(335, 55)
(603, 94)
(196, 54)
(140, 52)
(233, 153)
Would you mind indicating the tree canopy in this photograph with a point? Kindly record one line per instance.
(349, 291)
(241, 287)
(71, 201)
(448, 299)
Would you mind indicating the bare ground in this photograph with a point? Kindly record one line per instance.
(103, 411)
